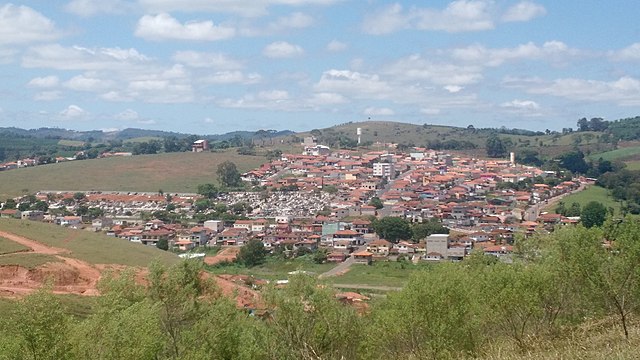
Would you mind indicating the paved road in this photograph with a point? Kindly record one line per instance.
(341, 267)
(531, 214)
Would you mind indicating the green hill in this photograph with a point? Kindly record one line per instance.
(171, 172)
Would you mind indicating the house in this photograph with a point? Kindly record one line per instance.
(200, 145)
(406, 247)
(379, 247)
(10, 213)
(185, 245)
(336, 257)
(362, 257)
(101, 223)
(437, 243)
(34, 215)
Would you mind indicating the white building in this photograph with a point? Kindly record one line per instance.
(383, 170)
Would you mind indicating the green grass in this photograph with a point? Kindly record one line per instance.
(274, 268)
(633, 165)
(380, 273)
(617, 154)
(592, 193)
(27, 260)
(142, 139)
(94, 248)
(7, 246)
(171, 172)
(72, 143)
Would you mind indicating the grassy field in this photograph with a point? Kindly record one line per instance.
(172, 172)
(27, 260)
(274, 268)
(7, 246)
(72, 143)
(380, 273)
(592, 193)
(91, 247)
(617, 154)
(633, 165)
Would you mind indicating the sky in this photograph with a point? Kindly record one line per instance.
(214, 66)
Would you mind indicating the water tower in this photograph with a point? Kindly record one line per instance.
(359, 133)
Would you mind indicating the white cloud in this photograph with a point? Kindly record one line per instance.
(207, 60)
(523, 11)
(21, 24)
(87, 83)
(44, 82)
(521, 104)
(336, 46)
(282, 49)
(92, 7)
(209, 120)
(165, 27)
(624, 91)
(458, 16)
(55, 56)
(552, 51)
(232, 77)
(522, 107)
(416, 68)
(353, 84)
(127, 115)
(453, 88)
(374, 111)
(248, 8)
(630, 53)
(73, 112)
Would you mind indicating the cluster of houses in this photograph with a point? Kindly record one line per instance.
(328, 205)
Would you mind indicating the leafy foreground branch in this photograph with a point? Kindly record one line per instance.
(572, 294)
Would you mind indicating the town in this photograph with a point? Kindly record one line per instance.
(326, 199)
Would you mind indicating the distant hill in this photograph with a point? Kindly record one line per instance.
(130, 133)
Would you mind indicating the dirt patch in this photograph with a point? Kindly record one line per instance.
(225, 255)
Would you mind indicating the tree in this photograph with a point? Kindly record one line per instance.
(422, 230)
(376, 202)
(228, 174)
(162, 244)
(593, 214)
(207, 190)
(9, 204)
(252, 253)
(393, 228)
(574, 162)
(42, 327)
(320, 256)
(495, 147)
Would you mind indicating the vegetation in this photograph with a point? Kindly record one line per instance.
(252, 253)
(7, 246)
(543, 305)
(228, 174)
